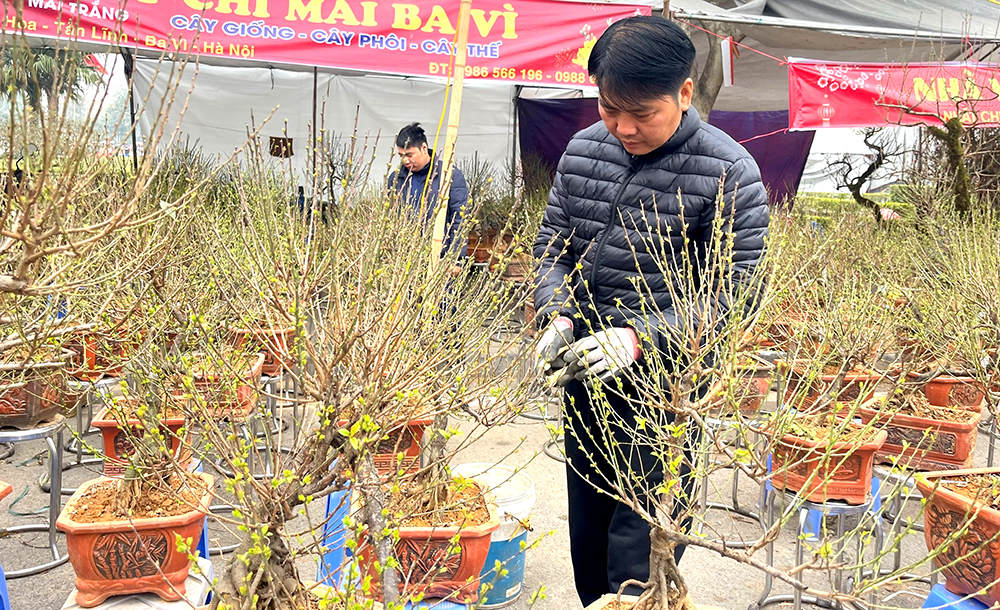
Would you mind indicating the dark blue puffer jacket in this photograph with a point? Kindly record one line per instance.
(612, 217)
(413, 189)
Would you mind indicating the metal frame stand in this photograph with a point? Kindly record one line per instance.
(87, 391)
(719, 425)
(52, 433)
(828, 509)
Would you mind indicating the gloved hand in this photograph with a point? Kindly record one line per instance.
(603, 355)
(553, 341)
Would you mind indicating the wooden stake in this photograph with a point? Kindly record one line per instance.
(451, 135)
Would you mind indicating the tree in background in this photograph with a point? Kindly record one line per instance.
(45, 74)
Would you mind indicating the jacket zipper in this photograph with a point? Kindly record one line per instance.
(632, 171)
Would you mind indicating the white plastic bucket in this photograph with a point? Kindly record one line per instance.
(514, 493)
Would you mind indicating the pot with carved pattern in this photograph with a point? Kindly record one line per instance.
(122, 557)
(931, 438)
(949, 390)
(33, 392)
(398, 451)
(438, 561)
(969, 562)
(821, 470)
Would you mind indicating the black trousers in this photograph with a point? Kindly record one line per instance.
(609, 542)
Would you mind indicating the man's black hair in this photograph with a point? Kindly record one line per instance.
(411, 136)
(640, 59)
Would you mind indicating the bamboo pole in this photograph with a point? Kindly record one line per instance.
(451, 135)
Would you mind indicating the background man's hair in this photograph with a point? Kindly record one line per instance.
(411, 136)
(640, 59)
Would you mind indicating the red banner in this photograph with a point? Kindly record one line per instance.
(872, 95)
(525, 41)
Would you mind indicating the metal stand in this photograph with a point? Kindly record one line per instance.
(893, 482)
(718, 425)
(828, 509)
(52, 433)
(75, 444)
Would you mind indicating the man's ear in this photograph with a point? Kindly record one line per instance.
(685, 95)
(423, 148)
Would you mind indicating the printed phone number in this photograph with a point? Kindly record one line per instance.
(578, 78)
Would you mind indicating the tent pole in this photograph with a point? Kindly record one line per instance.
(315, 151)
(129, 66)
(454, 113)
(513, 148)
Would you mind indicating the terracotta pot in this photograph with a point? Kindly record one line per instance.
(846, 475)
(480, 245)
(125, 557)
(931, 444)
(750, 387)
(5, 489)
(272, 342)
(97, 354)
(34, 395)
(973, 561)
(434, 567)
(803, 388)
(399, 439)
(226, 395)
(118, 435)
(947, 391)
(519, 268)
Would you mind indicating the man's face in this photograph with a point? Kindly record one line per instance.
(646, 126)
(414, 158)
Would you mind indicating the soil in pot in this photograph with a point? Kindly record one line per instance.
(112, 555)
(826, 460)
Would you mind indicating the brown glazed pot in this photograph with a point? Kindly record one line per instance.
(428, 557)
(272, 342)
(931, 444)
(846, 475)
(37, 396)
(802, 391)
(118, 435)
(947, 391)
(973, 561)
(125, 557)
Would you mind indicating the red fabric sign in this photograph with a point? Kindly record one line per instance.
(526, 41)
(872, 95)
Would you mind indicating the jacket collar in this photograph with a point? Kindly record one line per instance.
(689, 125)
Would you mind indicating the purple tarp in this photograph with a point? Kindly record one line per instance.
(546, 126)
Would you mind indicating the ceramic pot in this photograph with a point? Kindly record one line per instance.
(125, 557)
(970, 564)
(803, 387)
(226, 395)
(5, 489)
(118, 435)
(274, 343)
(33, 395)
(398, 440)
(948, 391)
(842, 472)
(931, 444)
(435, 568)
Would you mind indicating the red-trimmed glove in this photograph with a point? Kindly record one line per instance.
(604, 355)
(552, 343)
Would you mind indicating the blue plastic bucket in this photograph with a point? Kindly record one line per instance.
(514, 493)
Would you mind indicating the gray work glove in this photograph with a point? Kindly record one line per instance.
(601, 356)
(552, 343)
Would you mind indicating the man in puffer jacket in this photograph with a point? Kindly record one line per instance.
(614, 205)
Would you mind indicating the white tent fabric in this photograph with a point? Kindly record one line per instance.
(220, 106)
